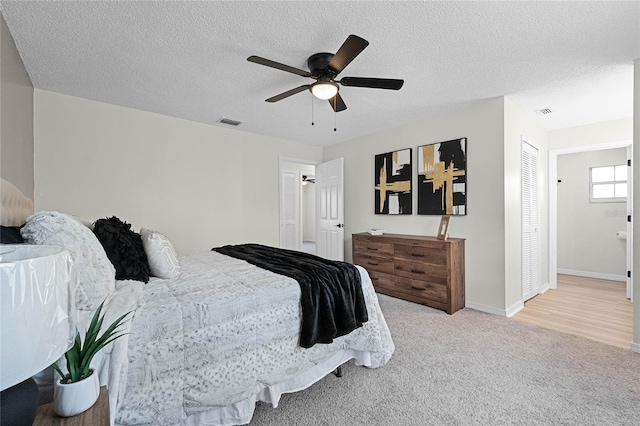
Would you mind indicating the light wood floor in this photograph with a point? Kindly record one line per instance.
(596, 309)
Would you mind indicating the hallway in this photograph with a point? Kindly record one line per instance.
(587, 307)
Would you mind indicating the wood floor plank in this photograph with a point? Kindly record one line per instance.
(596, 309)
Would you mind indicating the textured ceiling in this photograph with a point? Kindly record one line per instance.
(188, 59)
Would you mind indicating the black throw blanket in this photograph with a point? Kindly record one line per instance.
(332, 300)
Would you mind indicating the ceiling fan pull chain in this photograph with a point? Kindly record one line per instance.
(312, 123)
(335, 112)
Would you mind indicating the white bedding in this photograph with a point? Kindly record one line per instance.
(206, 345)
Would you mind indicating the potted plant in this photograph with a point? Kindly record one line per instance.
(78, 390)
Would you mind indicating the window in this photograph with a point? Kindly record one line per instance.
(608, 184)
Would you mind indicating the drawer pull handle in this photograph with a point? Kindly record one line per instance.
(373, 263)
(417, 255)
(418, 288)
(374, 279)
(372, 248)
(415, 271)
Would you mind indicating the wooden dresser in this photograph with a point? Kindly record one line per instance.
(416, 268)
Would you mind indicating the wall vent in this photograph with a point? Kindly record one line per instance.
(229, 122)
(544, 111)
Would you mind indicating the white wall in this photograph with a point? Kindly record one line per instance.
(201, 185)
(592, 134)
(519, 125)
(483, 227)
(587, 240)
(16, 116)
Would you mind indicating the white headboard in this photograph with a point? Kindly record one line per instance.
(16, 207)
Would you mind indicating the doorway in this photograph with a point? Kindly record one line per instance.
(297, 205)
(623, 230)
(566, 274)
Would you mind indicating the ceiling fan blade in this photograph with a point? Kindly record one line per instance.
(288, 93)
(337, 103)
(278, 66)
(374, 83)
(347, 53)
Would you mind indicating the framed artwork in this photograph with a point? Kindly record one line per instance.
(442, 178)
(443, 229)
(393, 182)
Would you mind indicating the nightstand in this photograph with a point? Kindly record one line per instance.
(97, 415)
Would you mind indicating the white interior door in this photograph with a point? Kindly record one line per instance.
(290, 210)
(531, 282)
(330, 210)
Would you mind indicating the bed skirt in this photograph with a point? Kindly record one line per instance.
(241, 412)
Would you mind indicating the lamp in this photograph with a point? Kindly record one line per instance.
(324, 89)
(37, 328)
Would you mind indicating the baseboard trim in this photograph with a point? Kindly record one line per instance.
(485, 308)
(596, 275)
(544, 288)
(635, 347)
(514, 309)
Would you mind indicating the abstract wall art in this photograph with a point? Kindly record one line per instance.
(442, 178)
(393, 182)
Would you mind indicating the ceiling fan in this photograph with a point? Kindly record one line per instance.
(324, 68)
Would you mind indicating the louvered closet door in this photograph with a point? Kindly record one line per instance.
(530, 222)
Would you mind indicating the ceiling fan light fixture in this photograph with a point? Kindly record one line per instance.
(324, 89)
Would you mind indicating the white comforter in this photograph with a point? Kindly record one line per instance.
(206, 346)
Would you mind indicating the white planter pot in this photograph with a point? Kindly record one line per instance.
(74, 398)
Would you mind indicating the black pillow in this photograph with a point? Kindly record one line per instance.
(10, 235)
(124, 249)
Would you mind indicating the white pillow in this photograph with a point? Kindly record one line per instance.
(162, 257)
(95, 275)
(86, 221)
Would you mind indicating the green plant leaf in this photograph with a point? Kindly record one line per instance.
(93, 330)
(94, 320)
(55, 366)
(102, 341)
(73, 361)
(79, 357)
(99, 343)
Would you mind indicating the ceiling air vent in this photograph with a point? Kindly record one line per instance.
(229, 122)
(544, 111)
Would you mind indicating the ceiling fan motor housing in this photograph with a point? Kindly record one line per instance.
(319, 66)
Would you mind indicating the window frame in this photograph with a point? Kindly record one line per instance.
(612, 182)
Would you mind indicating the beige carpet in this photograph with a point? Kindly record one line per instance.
(472, 368)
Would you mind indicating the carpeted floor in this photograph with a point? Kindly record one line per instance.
(472, 368)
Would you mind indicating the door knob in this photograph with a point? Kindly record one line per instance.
(340, 225)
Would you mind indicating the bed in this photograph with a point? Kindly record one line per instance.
(208, 343)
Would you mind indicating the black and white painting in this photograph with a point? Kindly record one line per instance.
(442, 178)
(393, 182)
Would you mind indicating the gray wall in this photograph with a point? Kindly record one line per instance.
(587, 241)
(16, 116)
(201, 185)
(483, 227)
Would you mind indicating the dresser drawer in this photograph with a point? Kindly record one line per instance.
(431, 291)
(372, 248)
(421, 254)
(371, 263)
(421, 271)
(382, 280)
